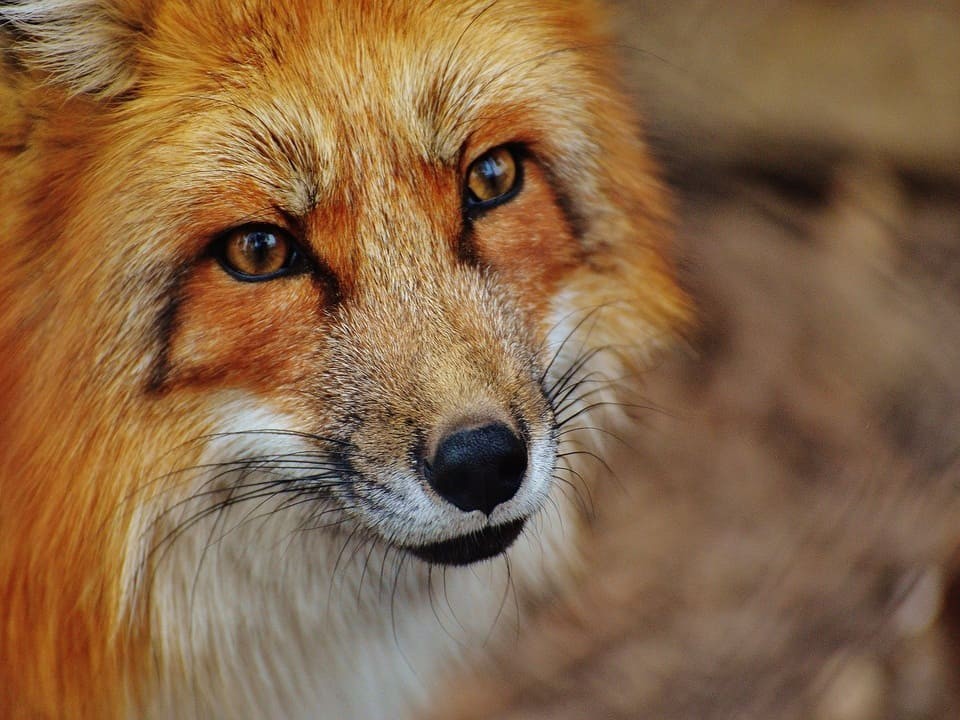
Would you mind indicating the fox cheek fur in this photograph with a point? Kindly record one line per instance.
(224, 490)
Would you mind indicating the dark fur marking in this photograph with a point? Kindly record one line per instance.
(466, 248)
(324, 277)
(165, 326)
(331, 287)
(417, 454)
(576, 223)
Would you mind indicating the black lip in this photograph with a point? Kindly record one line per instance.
(471, 548)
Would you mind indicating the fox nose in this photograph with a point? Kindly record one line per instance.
(478, 468)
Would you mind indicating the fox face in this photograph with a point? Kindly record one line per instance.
(307, 299)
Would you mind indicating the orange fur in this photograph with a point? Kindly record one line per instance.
(348, 123)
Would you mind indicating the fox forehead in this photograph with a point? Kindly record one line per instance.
(318, 94)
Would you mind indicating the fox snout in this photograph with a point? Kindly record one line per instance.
(443, 421)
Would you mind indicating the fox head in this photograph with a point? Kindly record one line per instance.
(333, 276)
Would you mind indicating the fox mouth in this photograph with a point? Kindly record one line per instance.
(467, 549)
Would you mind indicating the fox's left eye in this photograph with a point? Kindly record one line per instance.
(493, 178)
(258, 252)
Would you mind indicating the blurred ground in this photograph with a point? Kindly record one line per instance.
(783, 538)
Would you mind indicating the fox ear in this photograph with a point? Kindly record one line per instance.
(88, 46)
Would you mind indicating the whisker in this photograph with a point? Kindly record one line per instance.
(573, 331)
(330, 525)
(564, 402)
(393, 612)
(588, 453)
(343, 549)
(605, 403)
(363, 571)
(586, 506)
(502, 604)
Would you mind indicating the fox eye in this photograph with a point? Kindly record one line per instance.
(258, 252)
(493, 178)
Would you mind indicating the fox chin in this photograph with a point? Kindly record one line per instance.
(313, 315)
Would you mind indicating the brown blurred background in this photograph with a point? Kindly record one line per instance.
(782, 540)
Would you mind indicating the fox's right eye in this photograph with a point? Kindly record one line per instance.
(252, 253)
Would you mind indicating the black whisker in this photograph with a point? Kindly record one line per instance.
(587, 507)
(603, 403)
(363, 571)
(563, 343)
(562, 383)
(343, 549)
(588, 453)
(502, 604)
(563, 401)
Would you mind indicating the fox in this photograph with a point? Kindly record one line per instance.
(312, 317)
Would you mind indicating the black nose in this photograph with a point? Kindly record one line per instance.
(479, 468)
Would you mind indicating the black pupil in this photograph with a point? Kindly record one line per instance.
(259, 247)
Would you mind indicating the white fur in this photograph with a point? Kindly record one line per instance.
(253, 619)
(78, 42)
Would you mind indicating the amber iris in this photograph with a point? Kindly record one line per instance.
(257, 252)
(493, 177)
